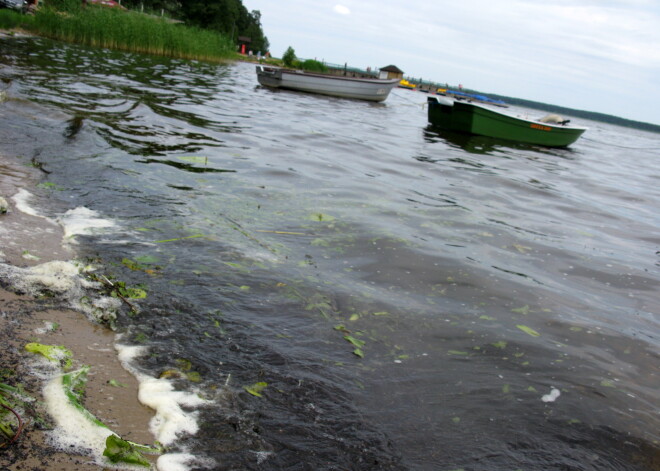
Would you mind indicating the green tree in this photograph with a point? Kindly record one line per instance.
(289, 57)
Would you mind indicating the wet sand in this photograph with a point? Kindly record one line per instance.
(27, 240)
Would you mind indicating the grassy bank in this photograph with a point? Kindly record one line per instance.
(125, 31)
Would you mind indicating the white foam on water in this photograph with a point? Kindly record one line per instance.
(48, 326)
(183, 462)
(170, 420)
(175, 462)
(552, 397)
(21, 201)
(66, 280)
(56, 276)
(73, 429)
(81, 221)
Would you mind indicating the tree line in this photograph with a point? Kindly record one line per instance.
(229, 17)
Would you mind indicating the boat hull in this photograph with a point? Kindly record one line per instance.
(472, 118)
(331, 85)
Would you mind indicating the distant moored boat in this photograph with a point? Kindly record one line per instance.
(371, 89)
(472, 118)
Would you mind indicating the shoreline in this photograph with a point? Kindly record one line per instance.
(29, 240)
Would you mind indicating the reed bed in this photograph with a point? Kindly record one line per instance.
(12, 20)
(132, 32)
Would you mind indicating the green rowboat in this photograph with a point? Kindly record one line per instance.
(472, 118)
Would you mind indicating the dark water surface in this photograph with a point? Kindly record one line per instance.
(479, 276)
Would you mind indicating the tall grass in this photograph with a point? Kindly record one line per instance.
(129, 31)
(12, 20)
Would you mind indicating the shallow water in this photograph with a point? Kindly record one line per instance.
(411, 299)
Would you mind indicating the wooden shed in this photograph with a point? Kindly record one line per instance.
(244, 44)
(390, 72)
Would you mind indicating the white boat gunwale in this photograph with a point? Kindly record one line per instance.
(268, 70)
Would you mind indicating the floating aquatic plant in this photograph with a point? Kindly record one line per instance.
(118, 450)
(528, 330)
(256, 388)
(54, 353)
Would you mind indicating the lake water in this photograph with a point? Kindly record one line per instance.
(411, 300)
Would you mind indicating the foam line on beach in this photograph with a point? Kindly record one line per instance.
(170, 420)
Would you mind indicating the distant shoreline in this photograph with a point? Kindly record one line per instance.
(591, 115)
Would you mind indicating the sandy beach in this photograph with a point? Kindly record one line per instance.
(28, 240)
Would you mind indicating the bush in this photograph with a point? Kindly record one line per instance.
(289, 57)
(313, 66)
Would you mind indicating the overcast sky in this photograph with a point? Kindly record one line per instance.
(596, 55)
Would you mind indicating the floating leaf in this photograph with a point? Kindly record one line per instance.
(521, 310)
(184, 364)
(167, 374)
(607, 383)
(52, 352)
(74, 388)
(358, 352)
(342, 328)
(528, 330)
(131, 264)
(354, 341)
(116, 384)
(501, 344)
(506, 389)
(28, 256)
(487, 318)
(134, 293)
(354, 317)
(148, 259)
(456, 419)
(194, 377)
(256, 388)
(118, 450)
